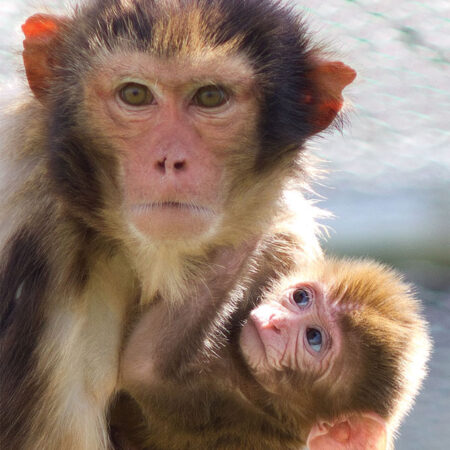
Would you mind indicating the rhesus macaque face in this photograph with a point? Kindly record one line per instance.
(176, 124)
(199, 118)
(297, 333)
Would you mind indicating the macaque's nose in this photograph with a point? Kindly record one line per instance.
(167, 165)
(275, 322)
(270, 317)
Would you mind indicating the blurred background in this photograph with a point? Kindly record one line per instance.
(389, 180)
(389, 170)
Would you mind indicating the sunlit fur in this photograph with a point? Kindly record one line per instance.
(389, 322)
(386, 340)
(382, 359)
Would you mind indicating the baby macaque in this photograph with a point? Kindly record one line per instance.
(330, 356)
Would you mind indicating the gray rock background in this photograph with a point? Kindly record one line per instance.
(389, 171)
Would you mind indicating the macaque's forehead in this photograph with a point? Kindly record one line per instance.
(167, 28)
(205, 66)
(191, 32)
(269, 36)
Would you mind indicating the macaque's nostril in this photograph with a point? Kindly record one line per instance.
(179, 165)
(161, 165)
(275, 323)
(165, 164)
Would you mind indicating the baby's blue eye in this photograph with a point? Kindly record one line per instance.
(302, 297)
(314, 338)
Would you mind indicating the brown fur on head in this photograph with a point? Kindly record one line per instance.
(371, 324)
(385, 340)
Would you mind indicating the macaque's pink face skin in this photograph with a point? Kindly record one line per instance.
(175, 123)
(298, 333)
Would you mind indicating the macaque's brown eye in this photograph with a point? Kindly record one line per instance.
(302, 297)
(314, 338)
(135, 94)
(210, 97)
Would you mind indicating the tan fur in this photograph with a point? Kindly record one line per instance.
(376, 299)
(82, 377)
(368, 302)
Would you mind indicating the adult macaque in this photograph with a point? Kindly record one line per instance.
(158, 135)
(331, 357)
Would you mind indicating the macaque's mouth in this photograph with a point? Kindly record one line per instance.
(169, 206)
(253, 326)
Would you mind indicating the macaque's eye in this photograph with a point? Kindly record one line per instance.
(314, 338)
(303, 297)
(210, 97)
(135, 94)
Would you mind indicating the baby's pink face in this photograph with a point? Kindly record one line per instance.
(298, 333)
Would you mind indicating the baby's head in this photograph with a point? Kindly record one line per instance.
(343, 347)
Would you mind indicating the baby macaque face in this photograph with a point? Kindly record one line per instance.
(296, 331)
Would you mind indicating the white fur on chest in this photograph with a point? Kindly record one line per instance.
(81, 349)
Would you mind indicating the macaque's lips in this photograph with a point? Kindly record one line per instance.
(172, 219)
(171, 206)
(256, 329)
(252, 336)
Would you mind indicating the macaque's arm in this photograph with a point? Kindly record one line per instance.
(168, 337)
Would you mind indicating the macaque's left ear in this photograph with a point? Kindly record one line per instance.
(359, 432)
(330, 79)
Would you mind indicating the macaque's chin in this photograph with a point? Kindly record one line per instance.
(172, 220)
(254, 353)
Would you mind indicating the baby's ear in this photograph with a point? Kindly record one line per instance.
(366, 431)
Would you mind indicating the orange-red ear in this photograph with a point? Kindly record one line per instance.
(330, 79)
(359, 432)
(41, 31)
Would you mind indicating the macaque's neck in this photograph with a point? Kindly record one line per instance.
(172, 269)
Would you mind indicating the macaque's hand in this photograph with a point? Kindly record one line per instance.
(167, 329)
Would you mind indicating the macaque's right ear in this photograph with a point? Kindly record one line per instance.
(41, 32)
(330, 78)
(359, 432)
